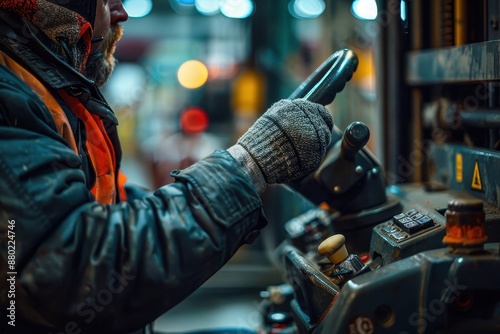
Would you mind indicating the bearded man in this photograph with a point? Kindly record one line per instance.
(81, 250)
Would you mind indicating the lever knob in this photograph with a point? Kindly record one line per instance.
(465, 224)
(356, 135)
(334, 249)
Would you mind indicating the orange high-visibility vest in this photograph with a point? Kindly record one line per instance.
(109, 184)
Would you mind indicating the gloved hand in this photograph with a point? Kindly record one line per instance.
(288, 141)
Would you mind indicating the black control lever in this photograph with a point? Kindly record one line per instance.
(350, 178)
(328, 79)
(356, 135)
(351, 182)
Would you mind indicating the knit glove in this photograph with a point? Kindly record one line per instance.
(287, 142)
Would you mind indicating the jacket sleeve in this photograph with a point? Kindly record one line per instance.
(116, 267)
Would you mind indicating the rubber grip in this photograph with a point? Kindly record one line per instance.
(328, 79)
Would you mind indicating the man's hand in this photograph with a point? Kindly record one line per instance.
(288, 141)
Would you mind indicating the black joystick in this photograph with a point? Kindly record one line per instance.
(351, 182)
(356, 135)
(350, 178)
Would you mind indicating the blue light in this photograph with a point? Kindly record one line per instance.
(183, 6)
(207, 7)
(403, 10)
(306, 9)
(367, 9)
(138, 8)
(237, 9)
(364, 9)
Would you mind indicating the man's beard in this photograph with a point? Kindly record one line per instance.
(101, 62)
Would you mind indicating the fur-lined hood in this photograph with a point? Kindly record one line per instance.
(68, 24)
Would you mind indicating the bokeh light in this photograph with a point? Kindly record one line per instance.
(138, 8)
(364, 9)
(237, 9)
(194, 120)
(367, 9)
(207, 7)
(306, 9)
(192, 74)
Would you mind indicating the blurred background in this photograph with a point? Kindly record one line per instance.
(193, 75)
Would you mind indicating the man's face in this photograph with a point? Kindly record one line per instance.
(109, 14)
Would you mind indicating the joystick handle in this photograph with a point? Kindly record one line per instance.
(356, 135)
(334, 249)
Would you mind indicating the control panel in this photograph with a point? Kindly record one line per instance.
(409, 223)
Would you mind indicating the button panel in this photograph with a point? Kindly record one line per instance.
(406, 225)
(399, 235)
(412, 221)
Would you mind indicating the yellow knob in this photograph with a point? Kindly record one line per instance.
(334, 248)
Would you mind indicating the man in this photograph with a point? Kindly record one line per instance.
(81, 251)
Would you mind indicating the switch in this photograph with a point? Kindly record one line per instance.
(344, 265)
(412, 221)
(334, 249)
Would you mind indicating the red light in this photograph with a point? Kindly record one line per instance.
(463, 300)
(194, 120)
(278, 328)
(365, 257)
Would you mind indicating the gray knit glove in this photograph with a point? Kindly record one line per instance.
(287, 142)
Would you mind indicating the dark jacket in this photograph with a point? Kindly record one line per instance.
(75, 263)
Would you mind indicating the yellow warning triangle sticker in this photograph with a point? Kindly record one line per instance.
(476, 178)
